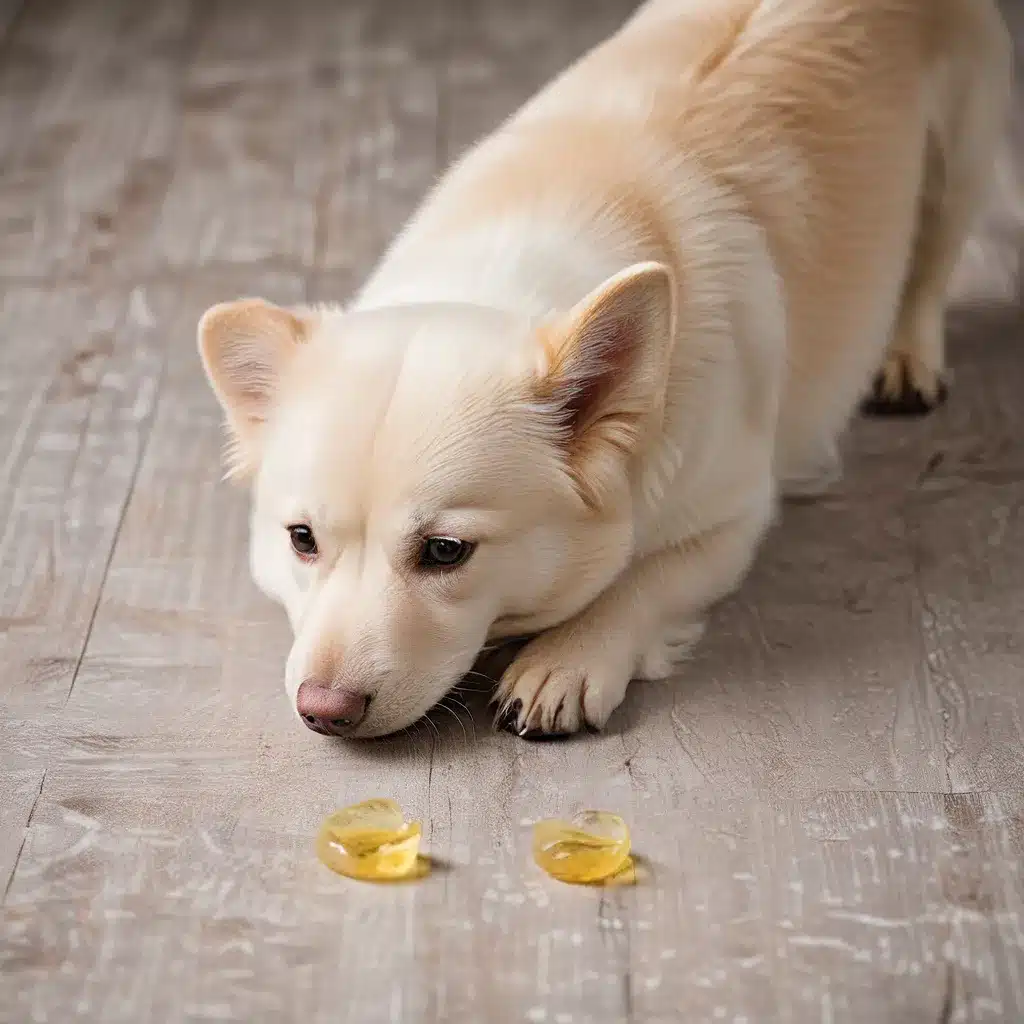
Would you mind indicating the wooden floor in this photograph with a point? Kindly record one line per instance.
(828, 804)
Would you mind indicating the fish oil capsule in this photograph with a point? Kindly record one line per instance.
(371, 841)
(593, 847)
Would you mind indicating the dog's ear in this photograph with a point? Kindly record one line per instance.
(245, 347)
(604, 367)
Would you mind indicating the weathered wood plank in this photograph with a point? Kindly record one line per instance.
(795, 866)
(965, 522)
(80, 363)
(497, 56)
(77, 385)
(308, 134)
(382, 137)
(889, 907)
(76, 394)
(88, 109)
(238, 192)
(811, 677)
(19, 792)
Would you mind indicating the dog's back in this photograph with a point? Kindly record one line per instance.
(860, 135)
(837, 126)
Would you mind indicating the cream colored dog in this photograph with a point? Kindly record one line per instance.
(564, 404)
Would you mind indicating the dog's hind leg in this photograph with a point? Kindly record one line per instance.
(968, 96)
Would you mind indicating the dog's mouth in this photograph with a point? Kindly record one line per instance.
(329, 729)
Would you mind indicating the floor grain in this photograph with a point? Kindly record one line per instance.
(827, 805)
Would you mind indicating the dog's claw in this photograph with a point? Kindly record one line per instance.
(508, 717)
(508, 720)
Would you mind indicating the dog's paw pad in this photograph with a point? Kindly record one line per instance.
(905, 387)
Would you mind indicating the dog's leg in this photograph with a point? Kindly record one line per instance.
(969, 97)
(813, 472)
(575, 675)
(911, 381)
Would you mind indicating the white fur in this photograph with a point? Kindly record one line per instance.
(766, 171)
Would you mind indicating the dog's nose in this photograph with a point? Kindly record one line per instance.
(329, 711)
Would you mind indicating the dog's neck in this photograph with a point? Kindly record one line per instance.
(520, 263)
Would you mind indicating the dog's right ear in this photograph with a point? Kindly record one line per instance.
(245, 347)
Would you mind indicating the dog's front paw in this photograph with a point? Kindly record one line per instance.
(560, 684)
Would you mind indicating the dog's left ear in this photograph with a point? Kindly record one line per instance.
(604, 367)
(245, 346)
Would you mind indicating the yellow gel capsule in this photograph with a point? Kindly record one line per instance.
(593, 847)
(371, 841)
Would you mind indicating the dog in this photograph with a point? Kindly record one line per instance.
(566, 403)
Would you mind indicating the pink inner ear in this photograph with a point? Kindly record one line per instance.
(603, 354)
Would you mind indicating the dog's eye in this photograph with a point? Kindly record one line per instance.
(303, 541)
(444, 552)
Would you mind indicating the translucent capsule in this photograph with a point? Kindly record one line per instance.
(593, 847)
(371, 841)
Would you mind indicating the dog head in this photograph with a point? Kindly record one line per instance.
(429, 477)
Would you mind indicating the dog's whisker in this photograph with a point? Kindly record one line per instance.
(474, 674)
(458, 718)
(455, 698)
(414, 733)
(433, 725)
